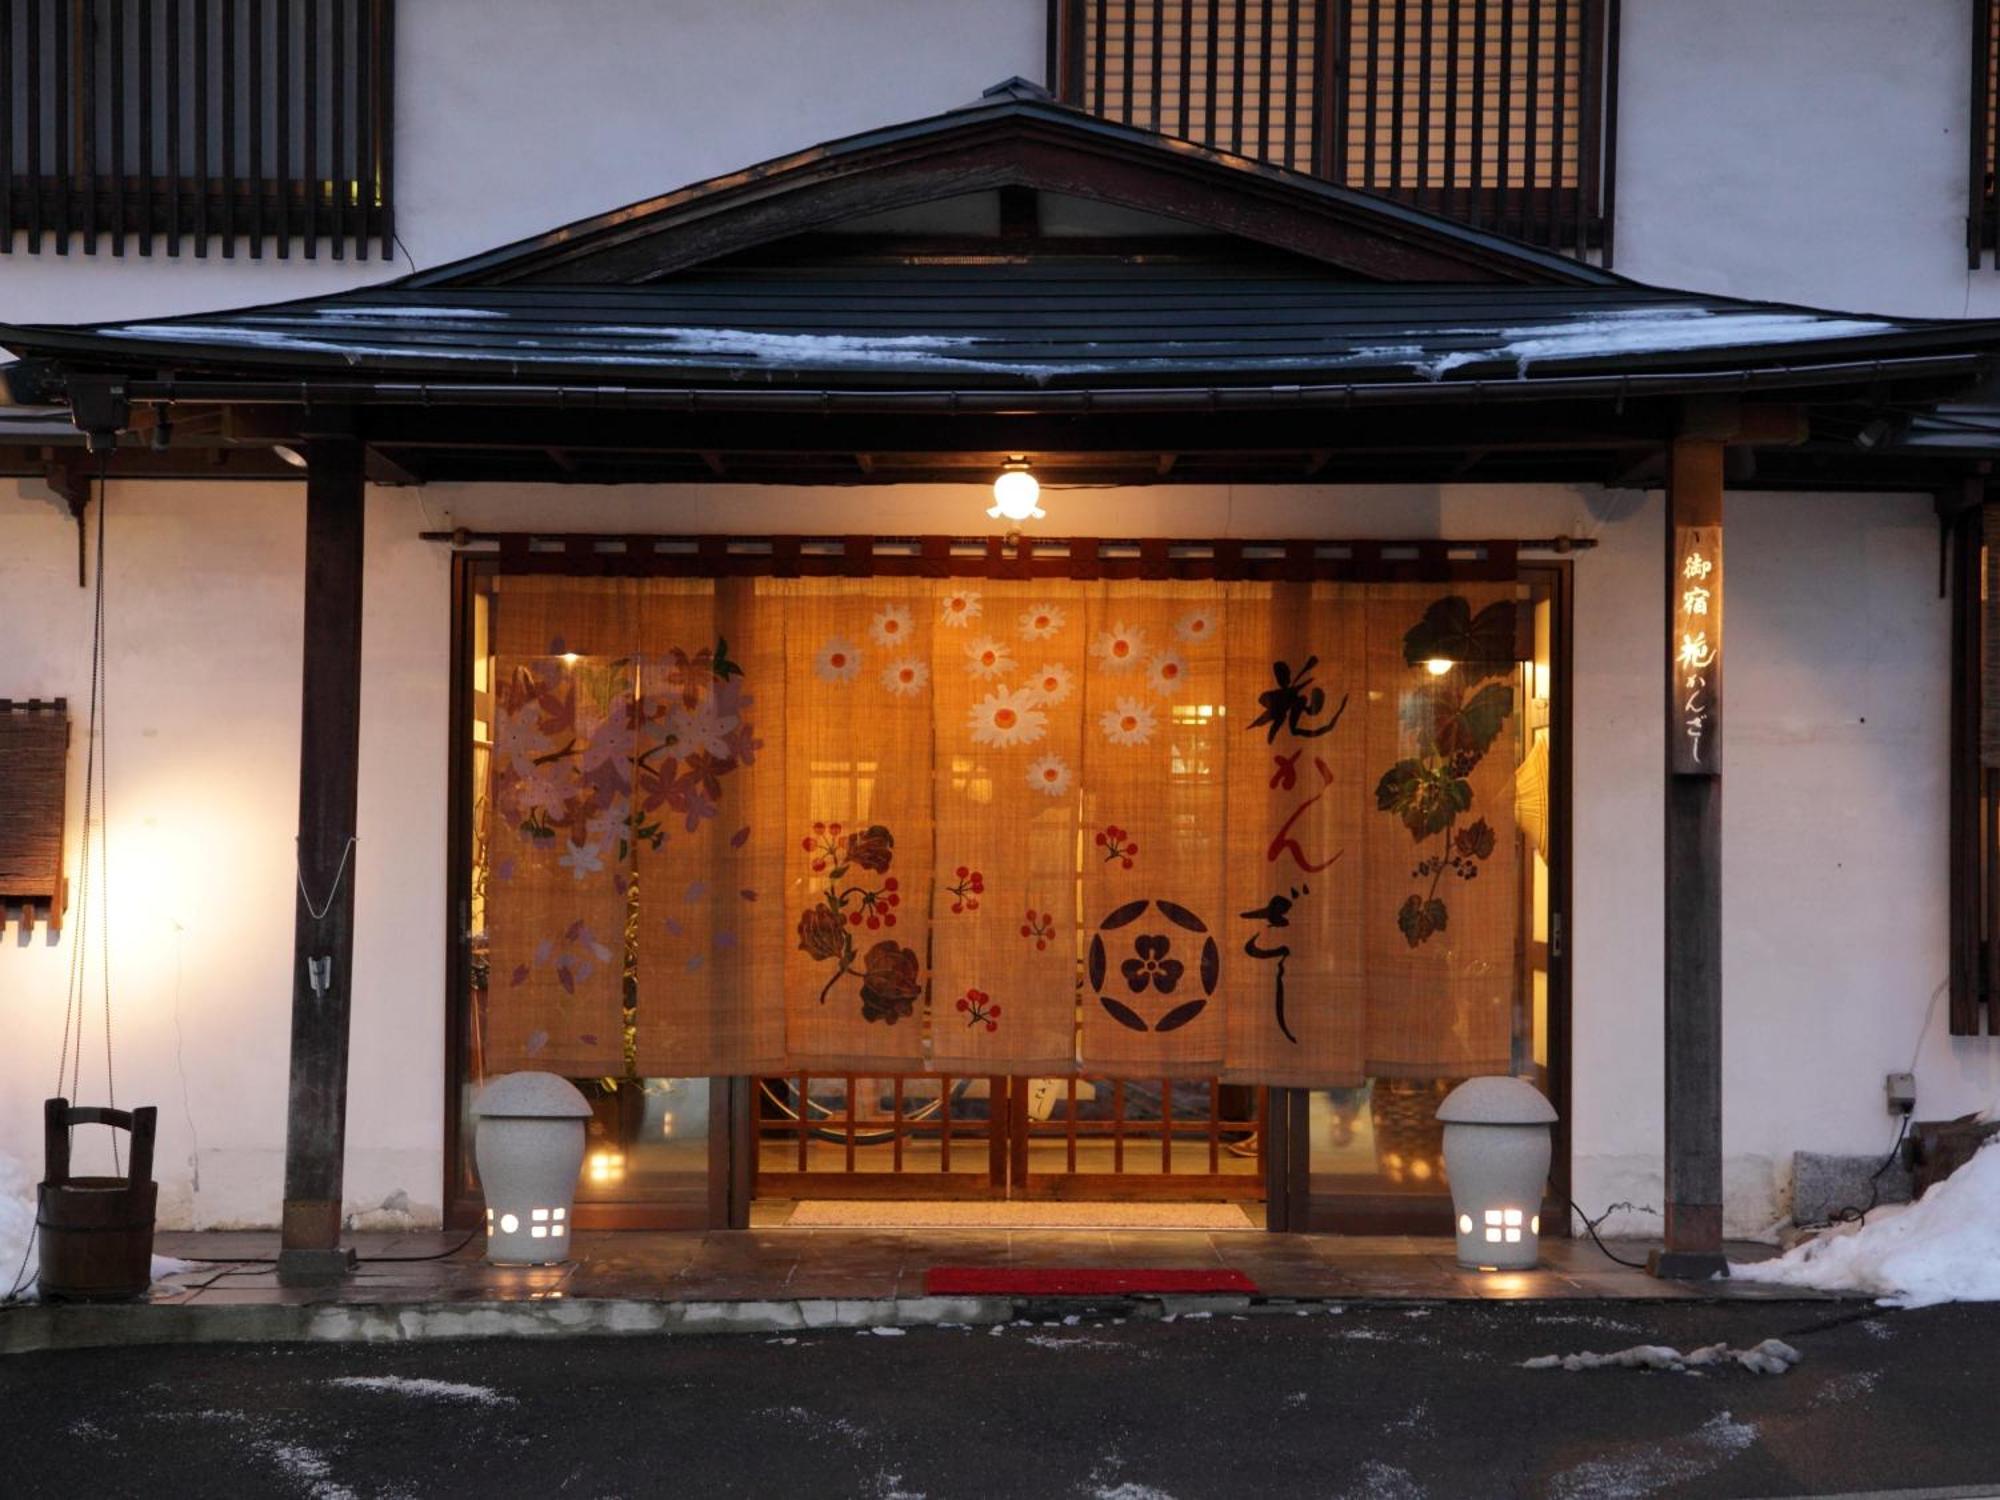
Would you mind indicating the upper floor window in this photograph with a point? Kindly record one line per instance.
(1982, 213)
(1497, 112)
(186, 124)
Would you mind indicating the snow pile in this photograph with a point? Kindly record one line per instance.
(1945, 1247)
(17, 1226)
(1772, 1357)
(424, 1387)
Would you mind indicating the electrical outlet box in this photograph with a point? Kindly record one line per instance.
(1902, 1090)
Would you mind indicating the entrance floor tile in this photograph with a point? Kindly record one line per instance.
(876, 1263)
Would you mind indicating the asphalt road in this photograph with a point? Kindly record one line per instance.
(1373, 1401)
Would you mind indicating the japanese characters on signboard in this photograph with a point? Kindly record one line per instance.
(1695, 723)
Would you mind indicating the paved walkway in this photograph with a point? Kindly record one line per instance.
(886, 1263)
(436, 1285)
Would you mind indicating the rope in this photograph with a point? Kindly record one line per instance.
(96, 799)
(318, 913)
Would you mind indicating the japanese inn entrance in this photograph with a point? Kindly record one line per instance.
(581, 908)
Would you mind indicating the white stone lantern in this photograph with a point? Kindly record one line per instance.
(1496, 1153)
(530, 1148)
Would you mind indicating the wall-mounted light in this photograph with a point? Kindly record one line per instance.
(1015, 493)
(1437, 666)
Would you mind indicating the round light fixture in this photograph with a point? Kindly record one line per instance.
(1015, 493)
(1437, 666)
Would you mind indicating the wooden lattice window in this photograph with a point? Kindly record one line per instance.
(34, 762)
(197, 122)
(1497, 112)
(1982, 211)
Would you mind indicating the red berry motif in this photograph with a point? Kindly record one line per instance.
(966, 890)
(1040, 927)
(1117, 846)
(979, 1010)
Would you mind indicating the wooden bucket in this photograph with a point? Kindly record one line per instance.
(96, 1233)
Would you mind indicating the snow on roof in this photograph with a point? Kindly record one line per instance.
(1651, 331)
(1945, 1247)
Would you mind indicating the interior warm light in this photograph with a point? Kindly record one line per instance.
(1015, 494)
(1437, 666)
(607, 1166)
(570, 658)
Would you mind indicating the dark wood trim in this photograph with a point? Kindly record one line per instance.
(1562, 878)
(462, 1210)
(1967, 809)
(323, 940)
(1693, 920)
(1365, 560)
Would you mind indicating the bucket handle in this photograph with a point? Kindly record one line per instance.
(57, 1118)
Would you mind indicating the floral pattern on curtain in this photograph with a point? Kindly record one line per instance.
(1261, 831)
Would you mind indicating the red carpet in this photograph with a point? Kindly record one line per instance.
(1003, 1281)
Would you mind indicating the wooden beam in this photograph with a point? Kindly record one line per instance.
(1693, 906)
(323, 934)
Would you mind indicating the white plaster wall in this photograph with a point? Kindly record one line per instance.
(515, 116)
(202, 710)
(1806, 151)
(1797, 150)
(1834, 821)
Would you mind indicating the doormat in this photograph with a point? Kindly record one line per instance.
(1004, 1281)
(977, 1213)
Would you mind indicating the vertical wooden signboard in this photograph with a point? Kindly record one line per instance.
(1695, 646)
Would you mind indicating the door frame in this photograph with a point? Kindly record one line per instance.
(1290, 1203)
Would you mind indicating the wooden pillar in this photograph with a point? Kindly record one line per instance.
(1693, 551)
(323, 941)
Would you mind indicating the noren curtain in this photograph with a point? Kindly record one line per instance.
(1266, 831)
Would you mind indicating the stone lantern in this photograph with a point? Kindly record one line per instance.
(1496, 1153)
(529, 1148)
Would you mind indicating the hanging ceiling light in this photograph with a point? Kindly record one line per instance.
(1015, 493)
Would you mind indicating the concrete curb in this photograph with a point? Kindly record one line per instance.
(36, 1327)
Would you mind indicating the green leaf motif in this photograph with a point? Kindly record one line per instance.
(1475, 842)
(1420, 919)
(1424, 794)
(1472, 727)
(1480, 645)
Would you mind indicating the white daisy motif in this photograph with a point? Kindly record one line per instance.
(1049, 776)
(1195, 626)
(838, 661)
(1167, 672)
(891, 625)
(1007, 716)
(1120, 648)
(1051, 684)
(1042, 621)
(906, 678)
(1130, 723)
(959, 609)
(986, 657)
